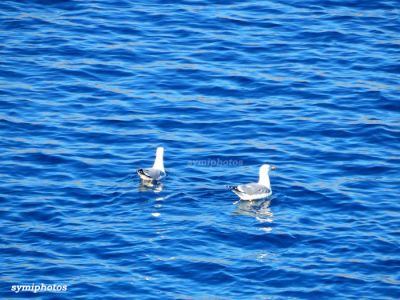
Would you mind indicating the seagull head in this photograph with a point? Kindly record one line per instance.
(160, 151)
(266, 168)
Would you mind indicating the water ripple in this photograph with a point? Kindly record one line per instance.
(89, 89)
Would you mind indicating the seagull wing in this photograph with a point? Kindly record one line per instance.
(151, 173)
(252, 189)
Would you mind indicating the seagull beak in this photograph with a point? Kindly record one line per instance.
(273, 168)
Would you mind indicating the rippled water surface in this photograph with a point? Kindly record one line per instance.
(89, 89)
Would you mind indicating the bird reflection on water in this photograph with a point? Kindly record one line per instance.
(257, 209)
(145, 186)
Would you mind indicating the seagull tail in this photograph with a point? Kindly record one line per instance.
(236, 190)
(142, 173)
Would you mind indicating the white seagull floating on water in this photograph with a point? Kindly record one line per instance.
(157, 172)
(255, 191)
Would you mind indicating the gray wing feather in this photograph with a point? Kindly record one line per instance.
(153, 173)
(253, 189)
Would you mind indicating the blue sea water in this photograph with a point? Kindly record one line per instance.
(89, 89)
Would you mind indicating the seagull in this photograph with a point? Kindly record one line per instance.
(255, 191)
(157, 172)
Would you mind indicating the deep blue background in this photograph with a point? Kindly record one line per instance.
(89, 89)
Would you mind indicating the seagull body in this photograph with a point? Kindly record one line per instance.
(157, 172)
(256, 191)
